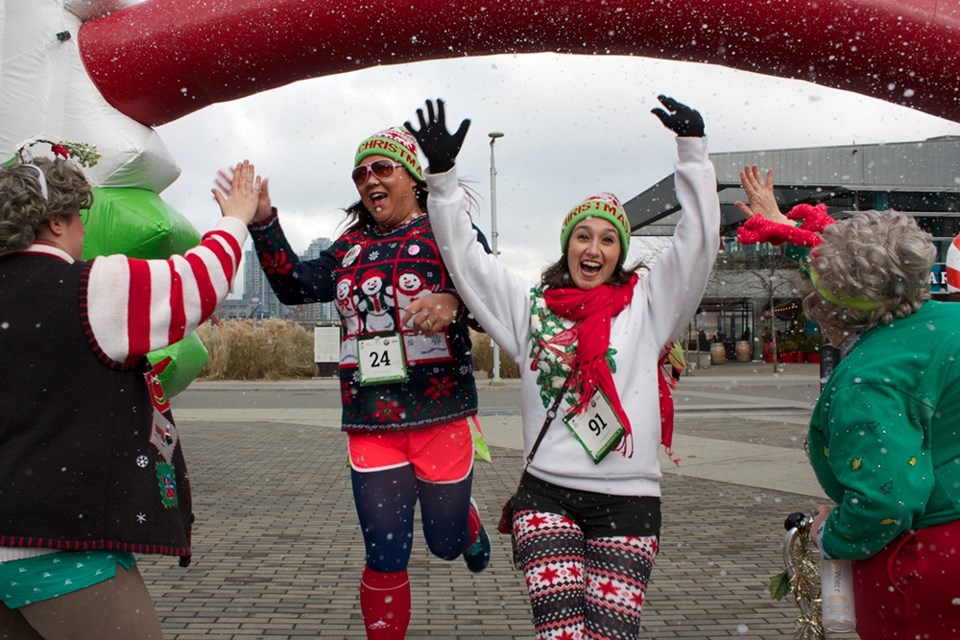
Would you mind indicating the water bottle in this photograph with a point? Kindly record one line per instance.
(836, 594)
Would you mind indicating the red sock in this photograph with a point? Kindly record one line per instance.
(385, 604)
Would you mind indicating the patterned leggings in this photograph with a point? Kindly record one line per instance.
(580, 588)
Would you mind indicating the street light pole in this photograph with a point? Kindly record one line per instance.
(495, 380)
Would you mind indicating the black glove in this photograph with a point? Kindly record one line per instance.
(684, 121)
(438, 145)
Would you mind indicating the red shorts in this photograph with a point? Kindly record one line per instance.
(442, 453)
(909, 589)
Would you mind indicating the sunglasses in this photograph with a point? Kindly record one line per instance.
(379, 168)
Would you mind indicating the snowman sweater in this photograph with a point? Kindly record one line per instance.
(372, 276)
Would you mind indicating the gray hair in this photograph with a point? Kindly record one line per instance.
(24, 209)
(869, 269)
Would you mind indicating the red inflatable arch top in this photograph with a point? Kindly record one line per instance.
(163, 59)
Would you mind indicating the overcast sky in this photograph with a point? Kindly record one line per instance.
(573, 125)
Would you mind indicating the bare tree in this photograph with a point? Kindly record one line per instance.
(763, 274)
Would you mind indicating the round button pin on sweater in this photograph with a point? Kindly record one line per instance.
(351, 255)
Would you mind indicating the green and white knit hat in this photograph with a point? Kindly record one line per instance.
(604, 205)
(398, 144)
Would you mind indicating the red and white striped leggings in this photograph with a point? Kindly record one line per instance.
(580, 588)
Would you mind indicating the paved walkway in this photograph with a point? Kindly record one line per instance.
(278, 554)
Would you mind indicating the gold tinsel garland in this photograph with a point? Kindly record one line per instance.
(801, 577)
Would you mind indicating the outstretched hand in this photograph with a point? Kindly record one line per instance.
(684, 121)
(242, 193)
(438, 145)
(760, 196)
(264, 207)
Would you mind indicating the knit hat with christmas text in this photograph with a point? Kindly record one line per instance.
(398, 144)
(604, 205)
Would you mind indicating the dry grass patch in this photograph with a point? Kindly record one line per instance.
(483, 357)
(256, 350)
(277, 350)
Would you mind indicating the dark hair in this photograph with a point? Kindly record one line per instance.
(557, 275)
(359, 217)
(24, 210)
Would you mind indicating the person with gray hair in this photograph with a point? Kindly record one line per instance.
(38, 192)
(91, 467)
(883, 439)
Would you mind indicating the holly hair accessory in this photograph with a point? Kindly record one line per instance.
(81, 152)
(86, 155)
(813, 220)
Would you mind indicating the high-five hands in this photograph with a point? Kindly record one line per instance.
(223, 181)
(238, 198)
(684, 121)
(438, 145)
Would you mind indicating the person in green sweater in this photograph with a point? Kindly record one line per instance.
(883, 439)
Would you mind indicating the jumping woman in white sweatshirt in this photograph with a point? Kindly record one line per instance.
(586, 519)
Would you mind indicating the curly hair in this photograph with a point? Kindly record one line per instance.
(24, 210)
(870, 269)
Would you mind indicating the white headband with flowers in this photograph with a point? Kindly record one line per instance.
(82, 153)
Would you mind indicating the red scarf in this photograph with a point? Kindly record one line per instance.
(594, 310)
(665, 386)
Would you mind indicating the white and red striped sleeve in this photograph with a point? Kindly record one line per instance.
(137, 306)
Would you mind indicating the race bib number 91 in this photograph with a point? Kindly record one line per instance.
(597, 428)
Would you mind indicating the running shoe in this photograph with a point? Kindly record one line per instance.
(477, 555)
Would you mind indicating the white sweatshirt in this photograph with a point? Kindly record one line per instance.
(509, 308)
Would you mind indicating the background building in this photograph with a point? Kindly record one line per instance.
(323, 312)
(259, 301)
(751, 289)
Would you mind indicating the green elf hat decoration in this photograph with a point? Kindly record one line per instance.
(604, 205)
(398, 144)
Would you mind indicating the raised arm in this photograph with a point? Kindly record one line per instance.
(498, 299)
(137, 306)
(760, 197)
(675, 284)
(294, 281)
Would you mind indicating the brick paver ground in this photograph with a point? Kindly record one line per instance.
(278, 553)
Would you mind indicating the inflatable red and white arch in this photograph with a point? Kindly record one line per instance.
(129, 66)
(953, 266)
(107, 71)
